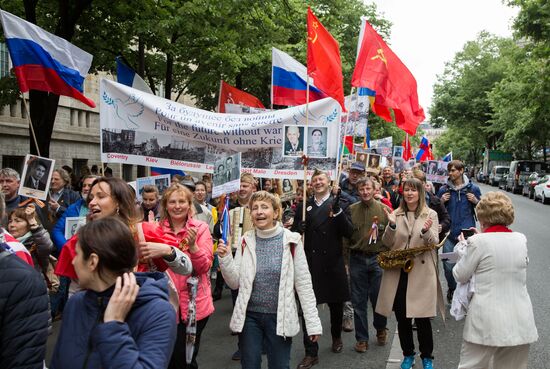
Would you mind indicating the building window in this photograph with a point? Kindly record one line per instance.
(88, 119)
(77, 166)
(13, 162)
(4, 60)
(127, 172)
(141, 171)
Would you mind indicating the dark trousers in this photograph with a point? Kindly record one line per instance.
(366, 276)
(178, 360)
(336, 317)
(260, 334)
(404, 324)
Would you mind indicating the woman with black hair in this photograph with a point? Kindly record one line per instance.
(122, 319)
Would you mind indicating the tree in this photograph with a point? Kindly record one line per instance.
(461, 95)
(187, 46)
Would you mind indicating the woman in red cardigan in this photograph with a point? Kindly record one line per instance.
(111, 196)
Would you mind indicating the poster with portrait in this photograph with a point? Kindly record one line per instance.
(438, 172)
(293, 141)
(161, 182)
(410, 163)
(72, 225)
(433, 165)
(362, 157)
(374, 161)
(398, 151)
(288, 189)
(316, 141)
(398, 164)
(37, 174)
(227, 174)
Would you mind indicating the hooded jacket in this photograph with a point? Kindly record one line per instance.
(144, 340)
(24, 312)
(459, 208)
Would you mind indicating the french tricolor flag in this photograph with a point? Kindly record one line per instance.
(45, 62)
(288, 81)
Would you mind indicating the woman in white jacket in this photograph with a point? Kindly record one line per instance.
(500, 323)
(267, 268)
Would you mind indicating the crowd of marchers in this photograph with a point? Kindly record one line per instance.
(135, 286)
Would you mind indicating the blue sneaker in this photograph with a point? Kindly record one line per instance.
(427, 363)
(408, 362)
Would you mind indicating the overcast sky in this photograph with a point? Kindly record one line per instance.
(427, 33)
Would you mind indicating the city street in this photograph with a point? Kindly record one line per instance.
(532, 219)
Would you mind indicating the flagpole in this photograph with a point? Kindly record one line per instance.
(219, 97)
(305, 160)
(30, 123)
(343, 143)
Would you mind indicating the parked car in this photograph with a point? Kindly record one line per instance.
(503, 181)
(480, 177)
(542, 190)
(520, 170)
(496, 174)
(529, 186)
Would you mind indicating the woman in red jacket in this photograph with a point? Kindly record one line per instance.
(111, 196)
(193, 237)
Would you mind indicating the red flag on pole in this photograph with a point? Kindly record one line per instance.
(232, 95)
(323, 60)
(407, 151)
(379, 69)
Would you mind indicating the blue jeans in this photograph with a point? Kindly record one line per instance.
(449, 246)
(261, 330)
(365, 275)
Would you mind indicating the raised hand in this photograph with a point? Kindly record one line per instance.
(191, 238)
(427, 225)
(123, 298)
(223, 249)
(392, 219)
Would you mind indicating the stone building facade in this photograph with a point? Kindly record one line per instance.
(76, 138)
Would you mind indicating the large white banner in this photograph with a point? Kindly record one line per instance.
(144, 129)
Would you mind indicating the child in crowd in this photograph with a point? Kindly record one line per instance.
(24, 226)
(150, 203)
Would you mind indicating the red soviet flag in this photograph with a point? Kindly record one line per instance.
(379, 69)
(232, 95)
(323, 60)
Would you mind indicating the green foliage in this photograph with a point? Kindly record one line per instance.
(9, 90)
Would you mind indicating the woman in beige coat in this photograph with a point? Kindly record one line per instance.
(500, 323)
(414, 294)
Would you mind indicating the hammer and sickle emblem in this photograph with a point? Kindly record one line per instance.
(314, 38)
(380, 55)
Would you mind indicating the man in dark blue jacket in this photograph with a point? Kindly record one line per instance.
(23, 310)
(78, 209)
(460, 197)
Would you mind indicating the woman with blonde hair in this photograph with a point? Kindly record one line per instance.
(268, 268)
(413, 294)
(110, 196)
(193, 238)
(500, 323)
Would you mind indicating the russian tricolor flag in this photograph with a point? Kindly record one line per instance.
(45, 62)
(288, 81)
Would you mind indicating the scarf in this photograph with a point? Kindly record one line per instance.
(497, 228)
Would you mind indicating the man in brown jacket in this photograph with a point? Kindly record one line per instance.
(369, 222)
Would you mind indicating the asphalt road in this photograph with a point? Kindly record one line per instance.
(532, 219)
